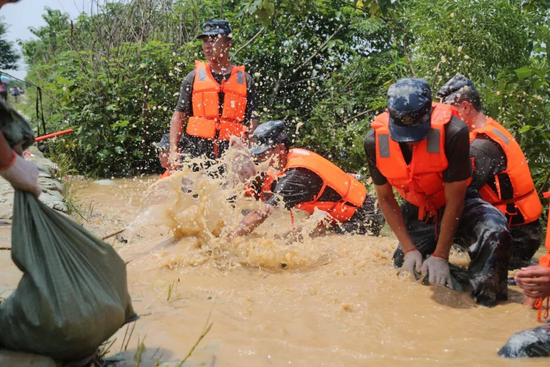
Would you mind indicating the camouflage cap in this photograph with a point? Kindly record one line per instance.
(452, 89)
(215, 27)
(267, 136)
(410, 106)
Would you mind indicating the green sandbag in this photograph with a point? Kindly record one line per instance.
(73, 294)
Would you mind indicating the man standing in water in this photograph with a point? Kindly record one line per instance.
(500, 171)
(15, 136)
(304, 180)
(217, 99)
(421, 149)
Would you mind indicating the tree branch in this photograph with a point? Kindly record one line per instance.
(320, 48)
(250, 40)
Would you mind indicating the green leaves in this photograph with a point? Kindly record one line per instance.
(523, 72)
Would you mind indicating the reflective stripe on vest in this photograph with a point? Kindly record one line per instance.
(206, 121)
(421, 181)
(353, 193)
(525, 198)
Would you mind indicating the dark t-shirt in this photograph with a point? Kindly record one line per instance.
(488, 160)
(195, 146)
(457, 146)
(299, 185)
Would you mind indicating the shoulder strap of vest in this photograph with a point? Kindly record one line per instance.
(237, 77)
(381, 120)
(201, 70)
(441, 114)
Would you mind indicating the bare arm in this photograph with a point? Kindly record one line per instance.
(394, 216)
(252, 220)
(254, 122)
(454, 197)
(176, 130)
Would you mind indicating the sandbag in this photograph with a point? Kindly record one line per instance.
(528, 343)
(73, 294)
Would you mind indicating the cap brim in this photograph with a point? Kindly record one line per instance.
(409, 134)
(211, 33)
(259, 149)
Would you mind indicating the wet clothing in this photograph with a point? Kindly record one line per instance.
(300, 185)
(526, 242)
(490, 175)
(195, 146)
(455, 147)
(512, 189)
(528, 343)
(482, 229)
(350, 193)
(418, 181)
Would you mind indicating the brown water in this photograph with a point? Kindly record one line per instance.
(337, 302)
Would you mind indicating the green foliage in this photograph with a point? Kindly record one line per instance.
(321, 65)
(8, 55)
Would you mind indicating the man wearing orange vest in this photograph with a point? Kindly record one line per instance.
(306, 181)
(421, 149)
(500, 171)
(535, 283)
(217, 99)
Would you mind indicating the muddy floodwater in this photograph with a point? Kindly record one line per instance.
(329, 301)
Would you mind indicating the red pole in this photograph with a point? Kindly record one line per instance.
(53, 135)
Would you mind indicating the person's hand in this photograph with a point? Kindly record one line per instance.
(412, 263)
(22, 175)
(437, 271)
(535, 281)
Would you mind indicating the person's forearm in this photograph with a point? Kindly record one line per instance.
(394, 217)
(252, 220)
(254, 122)
(6, 153)
(454, 194)
(176, 130)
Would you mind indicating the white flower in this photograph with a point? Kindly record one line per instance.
(459, 49)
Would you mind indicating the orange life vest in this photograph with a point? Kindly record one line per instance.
(166, 173)
(421, 181)
(206, 121)
(353, 193)
(525, 199)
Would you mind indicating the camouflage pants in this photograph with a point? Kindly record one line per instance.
(482, 231)
(526, 241)
(368, 219)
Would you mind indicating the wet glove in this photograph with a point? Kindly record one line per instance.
(22, 175)
(412, 262)
(437, 270)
